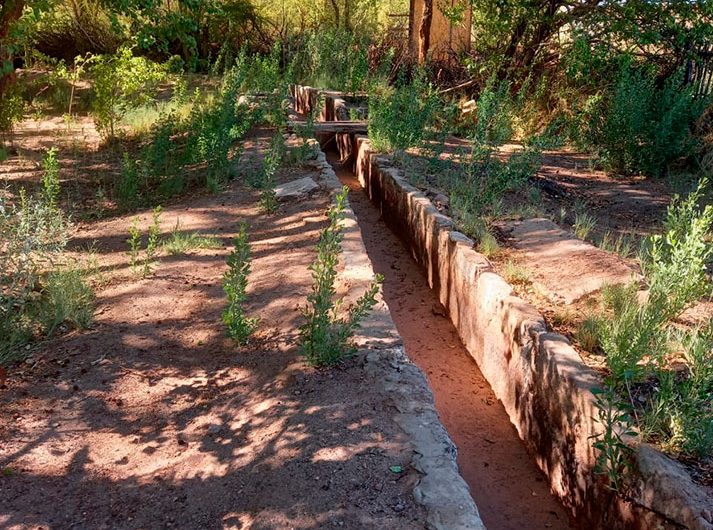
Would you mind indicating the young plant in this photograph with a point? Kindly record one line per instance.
(181, 242)
(67, 298)
(134, 243)
(50, 179)
(584, 223)
(235, 283)
(614, 458)
(128, 187)
(325, 336)
(152, 245)
(271, 163)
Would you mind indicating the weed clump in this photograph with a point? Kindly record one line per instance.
(325, 336)
(637, 335)
(40, 289)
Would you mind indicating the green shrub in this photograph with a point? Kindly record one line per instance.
(493, 114)
(270, 165)
(325, 336)
(398, 118)
(128, 187)
(479, 185)
(121, 82)
(636, 335)
(34, 233)
(639, 127)
(333, 59)
(214, 126)
(145, 265)
(235, 284)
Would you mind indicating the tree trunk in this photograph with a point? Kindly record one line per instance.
(10, 12)
(424, 33)
(335, 8)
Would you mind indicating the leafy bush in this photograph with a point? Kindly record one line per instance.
(636, 335)
(270, 164)
(11, 111)
(398, 118)
(493, 114)
(333, 59)
(639, 127)
(144, 266)
(325, 336)
(214, 126)
(235, 284)
(128, 193)
(39, 288)
(121, 82)
(478, 187)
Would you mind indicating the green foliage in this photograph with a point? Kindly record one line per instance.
(638, 127)
(635, 334)
(11, 111)
(121, 82)
(325, 336)
(134, 243)
(398, 118)
(235, 283)
(50, 179)
(215, 125)
(33, 277)
(138, 265)
(128, 187)
(181, 242)
(67, 299)
(680, 415)
(676, 263)
(478, 187)
(333, 59)
(270, 164)
(152, 244)
(493, 114)
(614, 457)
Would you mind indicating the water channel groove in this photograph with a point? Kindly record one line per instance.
(509, 489)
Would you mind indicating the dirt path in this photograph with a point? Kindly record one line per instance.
(153, 419)
(509, 489)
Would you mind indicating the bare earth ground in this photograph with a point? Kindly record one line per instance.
(153, 419)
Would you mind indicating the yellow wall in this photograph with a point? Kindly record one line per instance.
(444, 36)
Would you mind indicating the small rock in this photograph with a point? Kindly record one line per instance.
(296, 189)
(441, 201)
(213, 428)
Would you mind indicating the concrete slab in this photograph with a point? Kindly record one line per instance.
(566, 268)
(295, 189)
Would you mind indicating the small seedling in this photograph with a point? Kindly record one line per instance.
(181, 242)
(152, 245)
(516, 273)
(134, 242)
(50, 179)
(235, 283)
(584, 223)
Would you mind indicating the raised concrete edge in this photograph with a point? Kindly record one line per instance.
(541, 380)
(441, 489)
